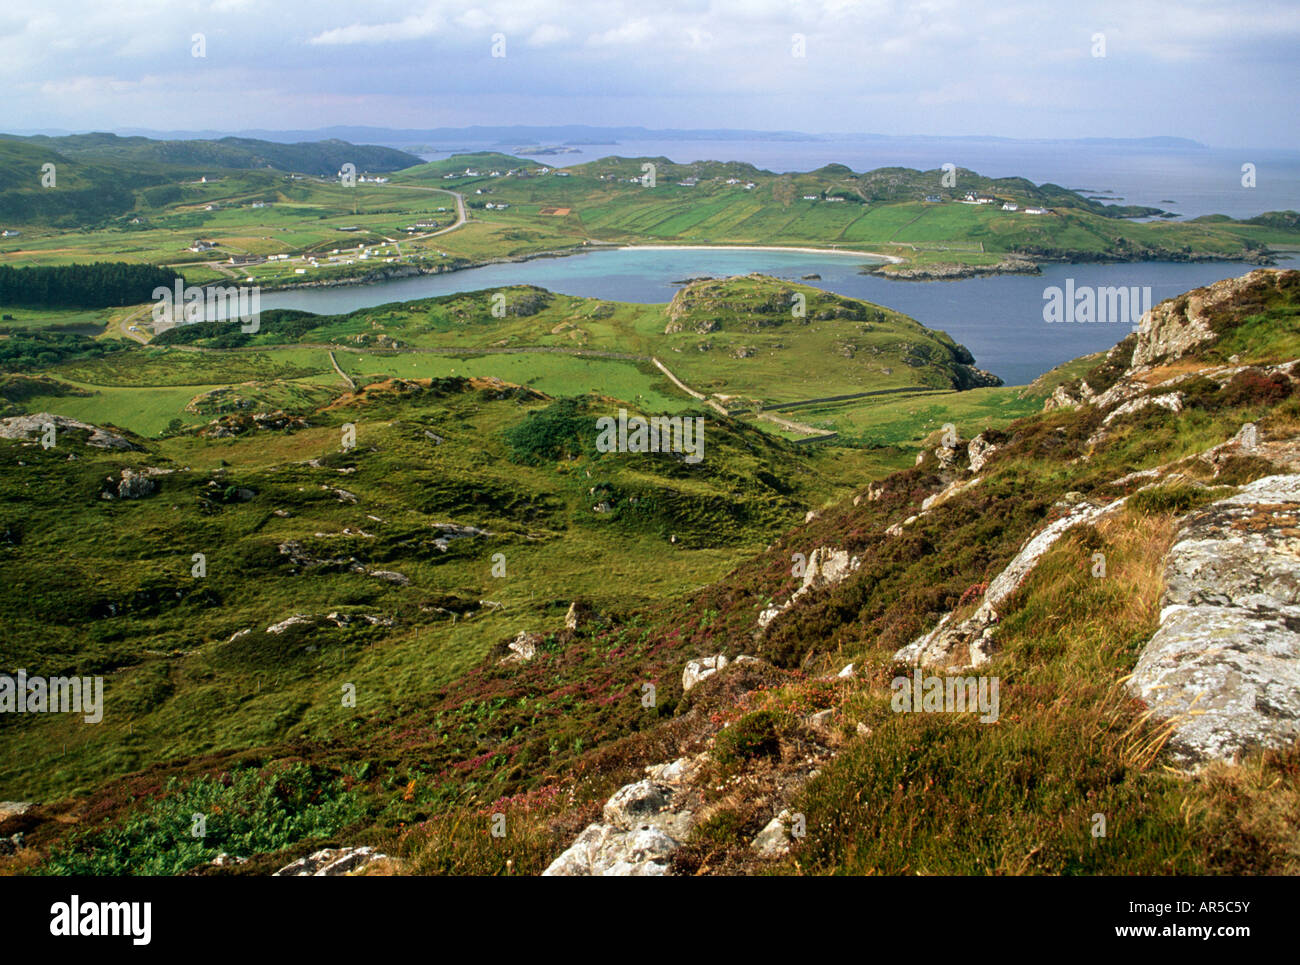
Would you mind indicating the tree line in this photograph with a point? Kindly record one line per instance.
(98, 285)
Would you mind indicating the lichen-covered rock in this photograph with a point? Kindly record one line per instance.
(132, 485)
(696, 671)
(642, 825)
(1173, 401)
(1224, 666)
(1176, 326)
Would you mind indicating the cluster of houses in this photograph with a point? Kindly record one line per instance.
(512, 173)
(974, 198)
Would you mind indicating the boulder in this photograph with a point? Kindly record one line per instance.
(696, 671)
(773, 841)
(522, 648)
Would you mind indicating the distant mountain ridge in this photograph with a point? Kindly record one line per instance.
(322, 157)
(560, 133)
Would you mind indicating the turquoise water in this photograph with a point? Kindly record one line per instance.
(1000, 319)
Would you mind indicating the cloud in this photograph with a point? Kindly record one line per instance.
(548, 34)
(412, 28)
(632, 32)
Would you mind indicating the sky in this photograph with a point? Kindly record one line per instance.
(1223, 73)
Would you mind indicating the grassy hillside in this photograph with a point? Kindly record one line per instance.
(218, 701)
(743, 345)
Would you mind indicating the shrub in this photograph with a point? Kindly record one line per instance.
(754, 735)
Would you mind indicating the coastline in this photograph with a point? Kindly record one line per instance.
(887, 259)
(383, 275)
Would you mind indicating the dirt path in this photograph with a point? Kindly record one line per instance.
(343, 375)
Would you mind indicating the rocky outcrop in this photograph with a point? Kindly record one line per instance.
(697, 671)
(522, 648)
(1176, 326)
(978, 451)
(1224, 666)
(131, 485)
(642, 825)
(300, 557)
(450, 532)
(34, 427)
(1173, 401)
(968, 643)
(774, 840)
(579, 616)
(331, 862)
(825, 567)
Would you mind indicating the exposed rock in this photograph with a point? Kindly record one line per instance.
(773, 841)
(27, 426)
(132, 485)
(331, 862)
(579, 615)
(295, 620)
(449, 532)
(1176, 326)
(523, 647)
(978, 452)
(684, 770)
(826, 567)
(1069, 397)
(968, 643)
(945, 494)
(1225, 664)
(643, 824)
(1173, 401)
(699, 670)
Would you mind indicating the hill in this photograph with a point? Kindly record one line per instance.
(322, 158)
(586, 642)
